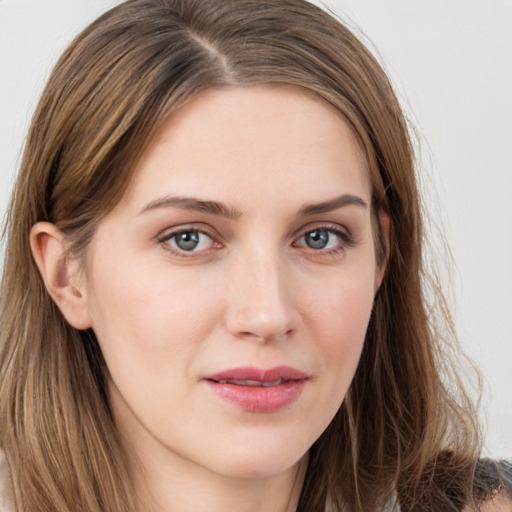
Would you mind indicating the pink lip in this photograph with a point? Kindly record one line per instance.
(269, 396)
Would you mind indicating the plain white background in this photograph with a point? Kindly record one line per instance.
(451, 63)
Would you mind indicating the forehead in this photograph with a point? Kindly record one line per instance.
(243, 144)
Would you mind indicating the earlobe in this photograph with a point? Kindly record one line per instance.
(61, 281)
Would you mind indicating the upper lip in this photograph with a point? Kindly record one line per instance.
(249, 373)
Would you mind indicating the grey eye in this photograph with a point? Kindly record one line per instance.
(317, 239)
(189, 240)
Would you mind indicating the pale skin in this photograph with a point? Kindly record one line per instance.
(244, 239)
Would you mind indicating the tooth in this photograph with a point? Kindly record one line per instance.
(252, 383)
(272, 383)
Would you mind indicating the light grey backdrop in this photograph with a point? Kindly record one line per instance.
(451, 62)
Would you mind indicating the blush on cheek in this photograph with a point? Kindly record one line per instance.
(353, 303)
(345, 321)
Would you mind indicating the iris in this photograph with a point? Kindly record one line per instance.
(317, 239)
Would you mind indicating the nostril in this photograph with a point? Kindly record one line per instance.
(270, 335)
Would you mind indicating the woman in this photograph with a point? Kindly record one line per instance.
(213, 295)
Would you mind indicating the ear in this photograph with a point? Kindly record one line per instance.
(385, 223)
(60, 276)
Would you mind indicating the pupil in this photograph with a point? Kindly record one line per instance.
(187, 241)
(317, 239)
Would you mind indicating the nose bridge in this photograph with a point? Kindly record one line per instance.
(261, 302)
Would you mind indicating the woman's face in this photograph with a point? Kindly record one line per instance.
(231, 288)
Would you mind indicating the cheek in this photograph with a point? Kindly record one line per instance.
(341, 312)
(339, 320)
(148, 321)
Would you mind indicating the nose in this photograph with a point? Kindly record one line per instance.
(261, 302)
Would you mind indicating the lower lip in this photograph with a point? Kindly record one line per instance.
(259, 398)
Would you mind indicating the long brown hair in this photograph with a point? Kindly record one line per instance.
(406, 430)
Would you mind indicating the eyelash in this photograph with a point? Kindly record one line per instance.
(165, 240)
(345, 241)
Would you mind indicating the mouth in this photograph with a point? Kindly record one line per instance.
(256, 390)
(253, 383)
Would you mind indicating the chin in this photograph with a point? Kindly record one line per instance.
(259, 461)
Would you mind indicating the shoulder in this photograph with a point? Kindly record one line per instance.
(6, 504)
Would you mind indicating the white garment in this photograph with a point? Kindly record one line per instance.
(6, 503)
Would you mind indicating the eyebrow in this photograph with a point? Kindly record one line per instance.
(193, 204)
(332, 204)
(221, 210)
